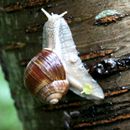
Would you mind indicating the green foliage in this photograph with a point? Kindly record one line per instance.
(8, 115)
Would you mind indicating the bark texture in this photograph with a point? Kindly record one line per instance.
(20, 39)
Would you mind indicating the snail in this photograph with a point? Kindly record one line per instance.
(108, 16)
(45, 77)
(57, 37)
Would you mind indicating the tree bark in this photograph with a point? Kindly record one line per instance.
(21, 37)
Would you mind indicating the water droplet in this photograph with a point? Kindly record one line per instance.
(73, 58)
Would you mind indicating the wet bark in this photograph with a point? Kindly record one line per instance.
(20, 39)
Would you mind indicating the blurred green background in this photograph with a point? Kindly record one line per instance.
(8, 114)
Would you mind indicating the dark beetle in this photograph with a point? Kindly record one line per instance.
(109, 66)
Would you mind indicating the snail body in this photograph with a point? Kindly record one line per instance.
(58, 37)
(50, 72)
(45, 77)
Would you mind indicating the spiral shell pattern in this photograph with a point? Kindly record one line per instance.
(45, 75)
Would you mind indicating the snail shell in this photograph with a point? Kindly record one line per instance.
(45, 77)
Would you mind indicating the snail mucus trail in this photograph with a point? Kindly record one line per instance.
(58, 39)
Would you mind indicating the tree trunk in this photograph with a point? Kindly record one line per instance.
(21, 37)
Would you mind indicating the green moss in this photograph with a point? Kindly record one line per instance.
(8, 115)
(87, 89)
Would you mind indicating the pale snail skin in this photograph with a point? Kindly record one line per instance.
(58, 37)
